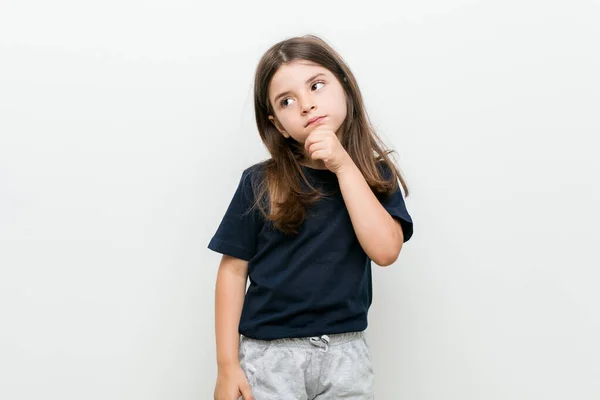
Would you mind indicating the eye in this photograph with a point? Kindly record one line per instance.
(283, 102)
(316, 83)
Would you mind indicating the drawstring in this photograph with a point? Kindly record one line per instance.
(318, 341)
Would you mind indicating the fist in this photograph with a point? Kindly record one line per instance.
(324, 145)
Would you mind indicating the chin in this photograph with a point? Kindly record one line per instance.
(300, 138)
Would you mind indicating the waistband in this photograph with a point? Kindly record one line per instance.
(330, 340)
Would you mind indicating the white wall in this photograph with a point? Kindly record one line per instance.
(124, 127)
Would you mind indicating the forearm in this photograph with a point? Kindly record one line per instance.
(378, 233)
(229, 299)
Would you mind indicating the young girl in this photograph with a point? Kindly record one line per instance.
(303, 226)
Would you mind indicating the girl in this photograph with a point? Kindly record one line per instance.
(303, 226)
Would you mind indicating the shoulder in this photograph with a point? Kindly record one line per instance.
(254, 174)
(252, 180)
(386, 170)
(389, 174)
(256, 170)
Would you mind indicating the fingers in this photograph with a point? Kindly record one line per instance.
(317, 146)
(310, 140)
(321, 155)
(246, 391)
(320, 143)
(316, 136)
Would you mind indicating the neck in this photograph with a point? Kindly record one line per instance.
(315, 164)
(309, 162)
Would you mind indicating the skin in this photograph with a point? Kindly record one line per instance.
(379, 234)
(305, 98)
(301, 90)
(229, 300)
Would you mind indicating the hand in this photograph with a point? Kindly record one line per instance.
(324, 145)
(231, 384)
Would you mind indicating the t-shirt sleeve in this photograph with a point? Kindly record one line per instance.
(396, 206)
(237, 233)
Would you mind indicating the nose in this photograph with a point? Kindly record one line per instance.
(308, 105)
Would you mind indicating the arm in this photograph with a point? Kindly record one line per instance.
(229, 299)
(379, 234)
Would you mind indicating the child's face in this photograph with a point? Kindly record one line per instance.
(309, 90)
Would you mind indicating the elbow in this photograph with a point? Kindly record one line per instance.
(388, 254)
(388, 258)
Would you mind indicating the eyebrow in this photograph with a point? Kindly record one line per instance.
(307, 82)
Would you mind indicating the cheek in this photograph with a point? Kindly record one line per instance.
(290, 123)
(297, 120)
(342, 108)
(340, 101)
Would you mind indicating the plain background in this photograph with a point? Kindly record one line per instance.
(125, 126)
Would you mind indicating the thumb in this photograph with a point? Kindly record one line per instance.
(246, 391)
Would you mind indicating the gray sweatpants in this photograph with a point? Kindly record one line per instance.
(327, 367)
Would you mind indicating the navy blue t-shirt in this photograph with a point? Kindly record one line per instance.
(313, 283)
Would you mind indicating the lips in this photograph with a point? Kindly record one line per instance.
(314, 119)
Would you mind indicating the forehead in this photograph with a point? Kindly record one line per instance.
(294, 74)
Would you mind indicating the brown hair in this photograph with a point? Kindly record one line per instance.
(279, 195)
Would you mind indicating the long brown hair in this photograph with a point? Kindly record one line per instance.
(279, 194)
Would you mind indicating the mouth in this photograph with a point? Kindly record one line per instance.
(315, 120)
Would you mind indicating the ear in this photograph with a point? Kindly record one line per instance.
(275, 122)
